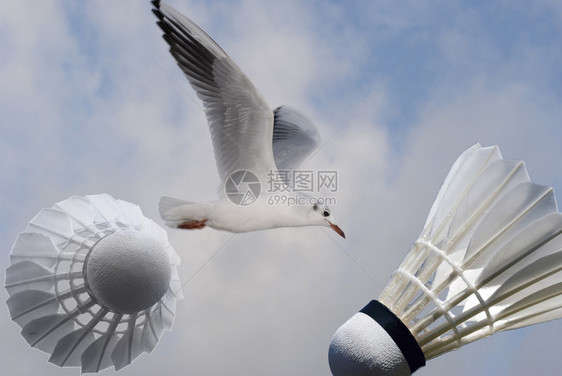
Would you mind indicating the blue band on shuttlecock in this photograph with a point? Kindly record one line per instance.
(398, 331)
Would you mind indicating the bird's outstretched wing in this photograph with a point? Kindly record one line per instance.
(294, 138)
(240, 121)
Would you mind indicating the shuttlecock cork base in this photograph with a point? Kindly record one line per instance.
(127, 272)
(374, 342)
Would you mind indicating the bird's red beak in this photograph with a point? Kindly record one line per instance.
(337, 229)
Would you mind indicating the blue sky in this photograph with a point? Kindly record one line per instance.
(92, 102)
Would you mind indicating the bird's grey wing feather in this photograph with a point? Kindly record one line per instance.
(240, 121)
(294, 138)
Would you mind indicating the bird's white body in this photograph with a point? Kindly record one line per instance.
(227, 216)
(488, 259)
(247, 135)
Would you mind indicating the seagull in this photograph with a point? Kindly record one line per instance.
(252, 142)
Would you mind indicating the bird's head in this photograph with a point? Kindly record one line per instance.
(322, 215)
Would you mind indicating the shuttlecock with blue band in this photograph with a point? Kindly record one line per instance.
(489, 258)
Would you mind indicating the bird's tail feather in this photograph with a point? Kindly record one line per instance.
(175, 211)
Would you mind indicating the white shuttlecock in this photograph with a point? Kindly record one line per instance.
(93, 283)
(489, 258)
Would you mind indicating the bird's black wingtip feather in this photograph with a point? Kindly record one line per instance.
(156, 3)
(157, 13)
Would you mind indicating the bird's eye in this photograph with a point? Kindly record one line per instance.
(315, 207)
(326, 213)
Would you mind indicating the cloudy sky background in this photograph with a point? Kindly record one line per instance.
(87, 106)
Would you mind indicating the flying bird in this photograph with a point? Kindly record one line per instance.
(251, 141)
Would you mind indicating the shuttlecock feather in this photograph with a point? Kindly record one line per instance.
(489, 258)
(93, 283)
